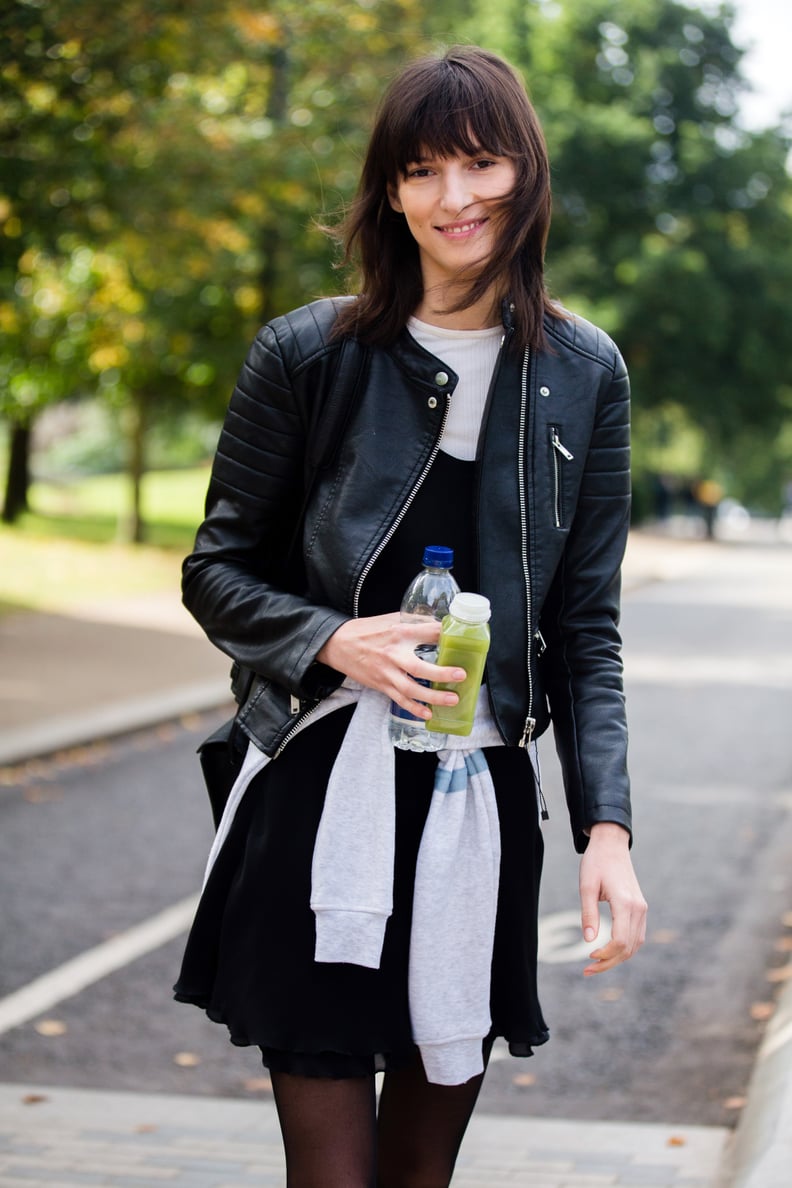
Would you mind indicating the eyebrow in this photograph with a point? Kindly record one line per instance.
(424, 159)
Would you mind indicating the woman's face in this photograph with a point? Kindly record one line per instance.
(451, 210)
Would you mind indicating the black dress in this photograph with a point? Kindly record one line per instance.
(249, 956)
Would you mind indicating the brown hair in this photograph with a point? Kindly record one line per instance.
(466, 101)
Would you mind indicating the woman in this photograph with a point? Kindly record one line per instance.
(477, 415)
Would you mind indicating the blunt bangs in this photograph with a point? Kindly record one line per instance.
(445, 108)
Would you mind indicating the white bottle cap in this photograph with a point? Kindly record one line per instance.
(470, 608)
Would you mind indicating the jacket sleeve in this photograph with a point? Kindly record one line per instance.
(580, 623)
(239, 582)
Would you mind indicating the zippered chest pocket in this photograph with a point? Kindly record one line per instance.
(560, 458)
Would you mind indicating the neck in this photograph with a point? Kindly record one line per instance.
(437, 302)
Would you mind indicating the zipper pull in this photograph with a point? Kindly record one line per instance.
(559, 445)
(527, 734)
(541, 803)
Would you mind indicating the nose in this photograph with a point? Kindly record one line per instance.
(456, 193)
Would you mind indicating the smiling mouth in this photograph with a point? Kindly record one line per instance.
(461, 228)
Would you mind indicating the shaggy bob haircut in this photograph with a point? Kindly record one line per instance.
(467, 101)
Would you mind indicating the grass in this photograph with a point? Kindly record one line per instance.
(68, 547)
(95, 508)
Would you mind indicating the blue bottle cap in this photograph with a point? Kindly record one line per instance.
(438, 556)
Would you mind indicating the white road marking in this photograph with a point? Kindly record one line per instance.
(559, 941)
(560, 938)
(769, 672)
(73, 976)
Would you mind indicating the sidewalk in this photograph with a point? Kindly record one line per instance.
(77, 1137)
(67, 679)
(105, 668)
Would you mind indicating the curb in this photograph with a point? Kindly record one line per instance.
(123, 717)
(759, 1154)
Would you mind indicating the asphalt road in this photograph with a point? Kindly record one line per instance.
(93, 846)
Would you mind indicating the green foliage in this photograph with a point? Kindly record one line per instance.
(85, 438)
(163, 168)
(671, 224)
(165, 165)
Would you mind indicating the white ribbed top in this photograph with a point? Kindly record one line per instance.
(471, 354)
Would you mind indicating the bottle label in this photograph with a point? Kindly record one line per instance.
(402, 715)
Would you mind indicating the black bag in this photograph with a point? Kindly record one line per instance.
(221, 756)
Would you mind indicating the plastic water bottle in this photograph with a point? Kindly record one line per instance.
(430, 593)
(464, 643)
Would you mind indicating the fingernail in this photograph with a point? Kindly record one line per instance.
(459, 674)
(589, 934)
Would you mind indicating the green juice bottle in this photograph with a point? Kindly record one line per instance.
(464, 643)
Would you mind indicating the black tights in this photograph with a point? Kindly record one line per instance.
(334, 1137)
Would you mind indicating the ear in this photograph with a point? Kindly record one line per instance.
(393, 198)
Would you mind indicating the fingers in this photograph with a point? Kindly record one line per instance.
(607, 875)
(589, 905)
(416, 697)
(417, 701)
(590, 919)
(418, 629)
(608, 957)
(424, 670)
(628, 933)
(614, 953)
(379, 652)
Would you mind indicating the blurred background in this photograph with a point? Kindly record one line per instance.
(165, 167)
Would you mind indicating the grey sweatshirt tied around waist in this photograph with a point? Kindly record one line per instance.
(456, 880)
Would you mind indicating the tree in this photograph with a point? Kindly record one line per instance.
(670, 221)
(80, 118)
(189, 148)
(43, 357)
(165, 163)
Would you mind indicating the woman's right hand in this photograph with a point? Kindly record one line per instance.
(379, 652)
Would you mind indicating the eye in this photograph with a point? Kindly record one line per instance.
(484, 163)
(418, 171)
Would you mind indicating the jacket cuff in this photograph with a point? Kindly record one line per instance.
(607, 814)
(317, 680)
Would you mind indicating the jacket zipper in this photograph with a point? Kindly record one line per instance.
(558, 448)
(530, 720)
(298, 725)
(295, 728)
(405, 508)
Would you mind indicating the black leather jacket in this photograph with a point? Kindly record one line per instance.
(553, 512)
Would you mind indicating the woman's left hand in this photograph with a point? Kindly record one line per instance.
(607, 876)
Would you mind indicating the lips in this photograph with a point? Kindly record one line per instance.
(461, 228)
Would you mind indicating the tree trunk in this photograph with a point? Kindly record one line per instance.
(270, 241)
(18, 474)
(269, 244)
(132, 527)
